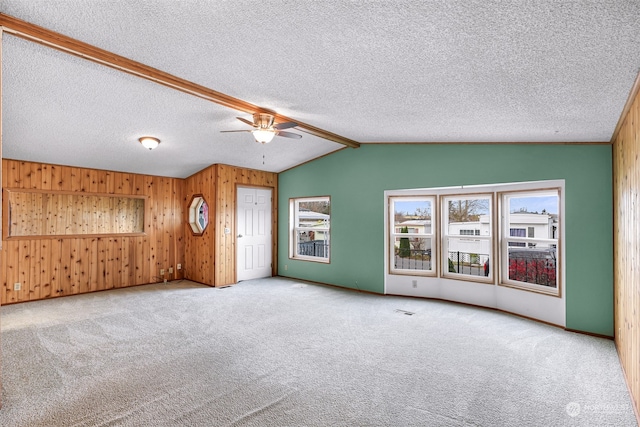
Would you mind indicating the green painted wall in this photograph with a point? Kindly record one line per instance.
(356, 179)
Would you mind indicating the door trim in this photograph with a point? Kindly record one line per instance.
(274, 227)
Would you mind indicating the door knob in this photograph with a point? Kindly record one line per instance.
(239, 235)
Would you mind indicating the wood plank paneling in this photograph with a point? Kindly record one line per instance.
(79, 264)
(210, 258)
(227, 179)
(37, 213)
(48, 267)
(56, 272)
(34, 271)
(626, 180)
(45, 268)
(199, 250)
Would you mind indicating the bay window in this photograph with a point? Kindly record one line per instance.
(501, 234)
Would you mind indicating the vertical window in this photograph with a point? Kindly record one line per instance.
(530, 260)
(517, 232)
(465, 252)
(310, 221)
(412, 241)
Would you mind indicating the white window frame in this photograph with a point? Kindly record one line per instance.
(294, 229)
(528, 242)
(489, 238)
(431, 235)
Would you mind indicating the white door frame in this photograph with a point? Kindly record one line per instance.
(264, 251)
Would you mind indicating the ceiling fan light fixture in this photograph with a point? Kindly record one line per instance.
(263, 120)
(263, 136)
(149, 142)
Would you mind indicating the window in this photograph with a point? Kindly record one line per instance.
(412, 242)
(502, 234)
(310, 220)
(517, 232)
(463, 215)
(198, 214)
(529, 252)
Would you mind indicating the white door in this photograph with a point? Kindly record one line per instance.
(254, 233)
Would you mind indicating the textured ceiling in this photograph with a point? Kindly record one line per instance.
(372, 71)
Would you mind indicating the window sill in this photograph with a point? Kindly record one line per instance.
(538, 289)
(311, 259)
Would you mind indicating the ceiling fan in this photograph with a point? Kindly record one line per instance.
(264, 129)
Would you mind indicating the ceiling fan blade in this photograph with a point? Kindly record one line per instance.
(285, 125)
(245, 121)
(227, 131)
(288, 135)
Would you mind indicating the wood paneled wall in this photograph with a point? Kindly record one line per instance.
(211, 257)
(199, 250)
(626, 181)
(51, 267)
(228, 178)
(45, 213)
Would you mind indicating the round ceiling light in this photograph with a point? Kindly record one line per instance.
(149, 142)
(263, 136)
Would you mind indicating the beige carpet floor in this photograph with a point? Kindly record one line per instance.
(279, 352)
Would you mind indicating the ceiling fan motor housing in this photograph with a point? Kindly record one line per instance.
(263, 120)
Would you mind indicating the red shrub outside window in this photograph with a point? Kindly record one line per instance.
(538, 271)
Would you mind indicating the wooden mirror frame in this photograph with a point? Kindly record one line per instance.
(198, 214)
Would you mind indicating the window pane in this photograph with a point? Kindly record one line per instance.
(468, 256)
(468, 217)
(313, 214)
(412, 216)
(313, 243)
(517, 232)
(531, 265)
(412, 253)
(534, 216)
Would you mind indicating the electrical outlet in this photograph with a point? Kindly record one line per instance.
(17, 286)
(170, 270)
(286, 267)
(179, 266)
(414, 283)
(162, 271)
